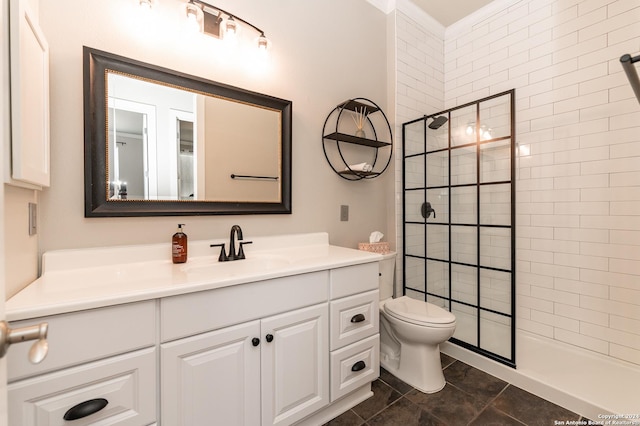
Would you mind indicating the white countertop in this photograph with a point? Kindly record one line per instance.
(74, 280)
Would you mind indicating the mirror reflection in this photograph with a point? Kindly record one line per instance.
(166, 143)
(159, 142)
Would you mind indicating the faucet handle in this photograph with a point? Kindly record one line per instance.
(241, 250)
(223, 255)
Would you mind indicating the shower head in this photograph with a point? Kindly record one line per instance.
(437, 122)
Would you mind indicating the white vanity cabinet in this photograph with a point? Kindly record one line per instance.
(294, 365)
(101, 362)
(213, 375)
(270, 371)
(355, 343)
(298, 346)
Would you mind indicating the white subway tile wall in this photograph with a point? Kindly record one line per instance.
(578, 163)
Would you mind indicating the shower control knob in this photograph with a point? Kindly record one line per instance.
(38, 332)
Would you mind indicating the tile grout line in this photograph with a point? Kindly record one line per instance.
(491, 401)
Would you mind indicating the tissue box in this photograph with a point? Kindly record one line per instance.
(382, 247)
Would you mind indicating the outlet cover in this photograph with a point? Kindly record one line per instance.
(33, 218)
(344, 213)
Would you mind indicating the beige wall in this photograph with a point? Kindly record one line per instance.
(311, 64)
(20, 258)
(21, 265)
(244, 140)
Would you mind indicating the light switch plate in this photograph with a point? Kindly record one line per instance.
(344, 213)
(33, 218)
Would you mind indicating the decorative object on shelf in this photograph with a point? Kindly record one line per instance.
(359, 118)
(346, 143)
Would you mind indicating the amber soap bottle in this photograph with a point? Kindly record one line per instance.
(179, 245)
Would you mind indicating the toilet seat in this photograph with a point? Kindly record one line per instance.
(418, 312)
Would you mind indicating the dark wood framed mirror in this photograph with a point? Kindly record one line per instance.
(163, 143)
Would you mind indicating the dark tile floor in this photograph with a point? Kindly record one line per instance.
(470, 397)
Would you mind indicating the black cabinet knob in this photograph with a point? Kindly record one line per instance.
(360, 365)
(85, 409)
(358, 318)
(255, 341)
(269, 337)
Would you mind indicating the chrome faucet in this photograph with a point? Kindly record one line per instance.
(236, 232)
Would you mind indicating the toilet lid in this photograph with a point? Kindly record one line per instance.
(417, 311)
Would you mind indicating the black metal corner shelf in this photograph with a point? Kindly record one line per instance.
(379, 127)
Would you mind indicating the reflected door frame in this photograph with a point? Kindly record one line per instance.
(175, 116)
(148, 112)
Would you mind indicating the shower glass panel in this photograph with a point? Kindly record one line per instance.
(438, 278)
(463, 125)
(459, 220)
(466, 324)
(415, 173)
(464, 204)
(495, 204)
(414, 273)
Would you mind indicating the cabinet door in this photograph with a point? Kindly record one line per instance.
(295, 365)
(29, 97)
(212, 378)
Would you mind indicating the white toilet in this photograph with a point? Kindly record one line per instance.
(410, 334)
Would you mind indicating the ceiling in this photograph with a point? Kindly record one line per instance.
(449, 11)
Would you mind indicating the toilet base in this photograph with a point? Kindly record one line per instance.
(418, 366)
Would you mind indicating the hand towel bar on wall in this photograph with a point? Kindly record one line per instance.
(234, 176)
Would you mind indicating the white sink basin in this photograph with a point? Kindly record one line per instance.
(256, 263)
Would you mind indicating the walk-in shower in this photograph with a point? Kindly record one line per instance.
(459, 220)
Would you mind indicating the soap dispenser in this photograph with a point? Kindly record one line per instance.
(179, 245)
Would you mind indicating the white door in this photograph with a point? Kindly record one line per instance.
(295, 364)
(4, 140)
(212, 378)
(3, 361)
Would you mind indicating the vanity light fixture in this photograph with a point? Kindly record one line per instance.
(212, 17)
(194, 15)
(485, 132)
(471, 128)
(145, 4)
(231, 27)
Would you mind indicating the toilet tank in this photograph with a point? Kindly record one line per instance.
(387, 273)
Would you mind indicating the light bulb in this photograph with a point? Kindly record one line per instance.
(145, 4)
(469, 130)
(193, 16)
(231, 28)
(263, 43)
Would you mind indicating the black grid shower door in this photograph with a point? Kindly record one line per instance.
(459, 220)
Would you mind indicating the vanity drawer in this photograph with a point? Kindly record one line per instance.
(85, 336)
(194, 313)
(127, 383)
(353, 318)
(354, 279)
(354, 366)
